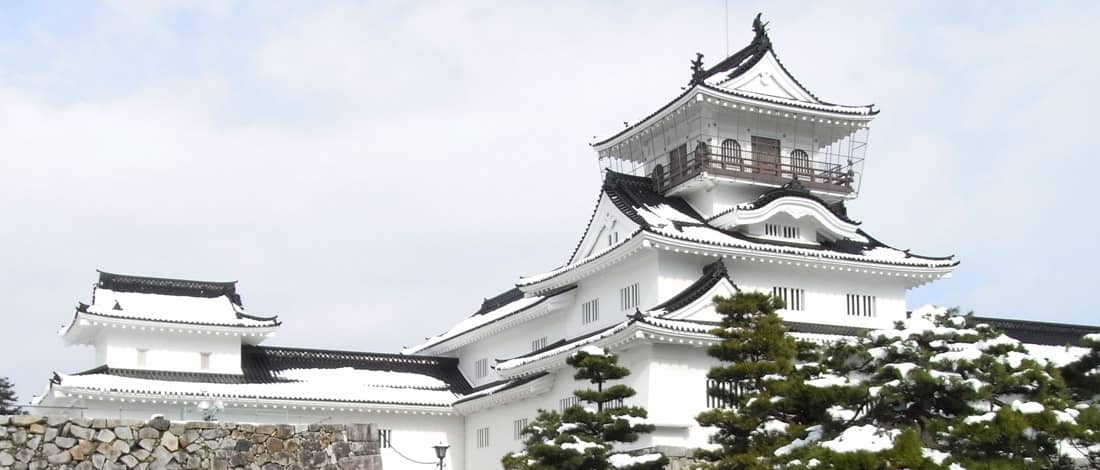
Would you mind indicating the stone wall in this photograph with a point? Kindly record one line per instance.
(57, 442)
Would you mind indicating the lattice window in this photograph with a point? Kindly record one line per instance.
(793, 298)
(482, 438)
(566, 403)
(783, 231)
(628, 297)
(731, 153)
(590, 311)
(481, 368)
(538, 344)
(385, 437)
(860, 305)
(517, 428)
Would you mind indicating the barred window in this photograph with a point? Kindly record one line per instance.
(628, 297)
(614, 404)
(731, 153)
(567, 403)
(800, 162)
(782, 231)
(482, 437)
(861, 305)
(590, 311)
(384, 437)
(793, 298)
(724, 394)
(518, 426)
(481, 368)
(538, 344)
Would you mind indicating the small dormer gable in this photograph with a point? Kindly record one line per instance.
(766, 78)
(790, 214)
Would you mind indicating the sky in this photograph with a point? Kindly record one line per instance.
(370, 171)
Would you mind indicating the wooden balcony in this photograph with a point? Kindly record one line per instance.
(765, 166)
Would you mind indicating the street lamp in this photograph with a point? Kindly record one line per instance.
(441, 452)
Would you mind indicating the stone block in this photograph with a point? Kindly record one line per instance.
(105, 435)
(33, 442)
(121, 446)
(341, 449)
(5, 444)
(81, 421)
(170, 441)
(192, 463)
(86, 447)
(124, 433)
(219, 463)
(240, 459)
(362, 432)
(50, 434)
(27, 420)
(160, 424)
(129, 460)
(59, 458)
(147, 444)
(99, 423)
(365, 462)
(81, 432)
(19, 437)
(49, 449)
(37, 428)
(24, 455)
(189, 436)
(55, 421)
(274, 444)
(199, 425)
(85, 465)
(148, 433)
(78, 453)
(6, 459)
(4, 420)
(140, 454)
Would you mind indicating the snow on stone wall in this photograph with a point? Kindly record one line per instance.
(58, 442)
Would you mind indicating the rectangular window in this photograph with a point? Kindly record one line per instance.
(481, 368)
(793, 298)
(628, 297)
(384, 437)
(538, 344)
(724, 394)
(141, 354)
(204, 361)
(567, 403)
(861, 305)
(614, 404)
(482, 438)
(519, 425)
(590, 311)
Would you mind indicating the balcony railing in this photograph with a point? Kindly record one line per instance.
(766, 166)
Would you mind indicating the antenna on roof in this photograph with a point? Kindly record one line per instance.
(727, 28)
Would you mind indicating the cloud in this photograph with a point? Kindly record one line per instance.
(370, 172)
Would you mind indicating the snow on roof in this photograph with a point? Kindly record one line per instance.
(482, 319)
(328, 384)
(219, 310)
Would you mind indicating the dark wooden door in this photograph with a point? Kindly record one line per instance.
(765, 155)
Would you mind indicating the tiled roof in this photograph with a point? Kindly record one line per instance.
(1035, 332)
(299, 374)
(165, 286)
(712, 273)
(793, 188)
(499, 386)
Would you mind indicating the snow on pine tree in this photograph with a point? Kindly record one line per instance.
(753, 383)
(8, 400)
(938, 392)
(1083, 379)
(583, 436)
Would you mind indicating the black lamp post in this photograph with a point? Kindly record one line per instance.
(441, 452)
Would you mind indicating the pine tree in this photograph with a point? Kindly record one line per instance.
(583, 436)
(758, 371)
(8, 400)
(1083, 379)
(945, 391)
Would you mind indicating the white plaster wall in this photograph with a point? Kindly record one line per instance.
(412, 434)
(640, 268)
(677, 393)
(501, 419)
(510, 343)
(677, 271)
(826, 291)
(118, 348)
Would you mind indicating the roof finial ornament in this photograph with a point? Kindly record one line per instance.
(697, 68)
(759, 27)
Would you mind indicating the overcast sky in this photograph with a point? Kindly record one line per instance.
(370, 171)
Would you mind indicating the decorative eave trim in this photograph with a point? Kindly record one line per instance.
(795, 206)
(919, 274)
(83, 320)
(254, 403)
(702, 93)
(570, 274)
(538, 310)
(634, 330)
(534, 388)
